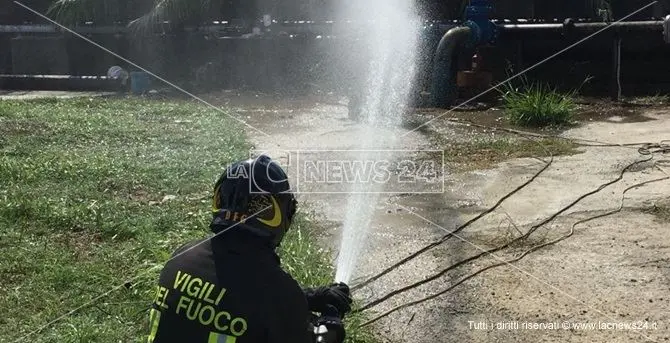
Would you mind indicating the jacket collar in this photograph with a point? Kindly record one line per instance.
(248, 245)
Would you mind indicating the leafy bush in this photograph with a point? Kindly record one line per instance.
(538, 105)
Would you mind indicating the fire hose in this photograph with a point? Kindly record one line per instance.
(328, 327)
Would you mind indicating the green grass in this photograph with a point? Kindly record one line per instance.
(82, 184)
(537, 105)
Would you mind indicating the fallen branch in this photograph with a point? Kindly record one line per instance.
(524, 254)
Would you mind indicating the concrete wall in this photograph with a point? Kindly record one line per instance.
(39, 55)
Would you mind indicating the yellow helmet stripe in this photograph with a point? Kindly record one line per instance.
(276, 219)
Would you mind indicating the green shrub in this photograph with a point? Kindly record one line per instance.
(538, 105)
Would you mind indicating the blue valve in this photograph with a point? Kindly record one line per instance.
(478, 17)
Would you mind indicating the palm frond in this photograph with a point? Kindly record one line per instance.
(72, 12)
(174, 11)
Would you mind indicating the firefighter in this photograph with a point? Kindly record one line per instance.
(230, 288)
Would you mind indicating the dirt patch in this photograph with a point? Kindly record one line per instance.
(613, 114)
(127, 188)
(468, 148)
(485, 153)
(82, 243)
(589, 110)
(661, 210)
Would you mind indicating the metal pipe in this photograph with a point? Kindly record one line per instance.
(530, 27)
(616, 68)
(519, 25)
(624, 26)
(444, 88)
(27, 28)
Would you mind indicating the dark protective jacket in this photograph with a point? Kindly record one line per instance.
(230, 289)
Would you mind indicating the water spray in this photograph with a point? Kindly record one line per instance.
(391, 40)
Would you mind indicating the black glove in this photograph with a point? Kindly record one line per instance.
(330, 318)
(336, 295)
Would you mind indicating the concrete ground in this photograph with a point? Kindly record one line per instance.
(613, 270)
(16, 95)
